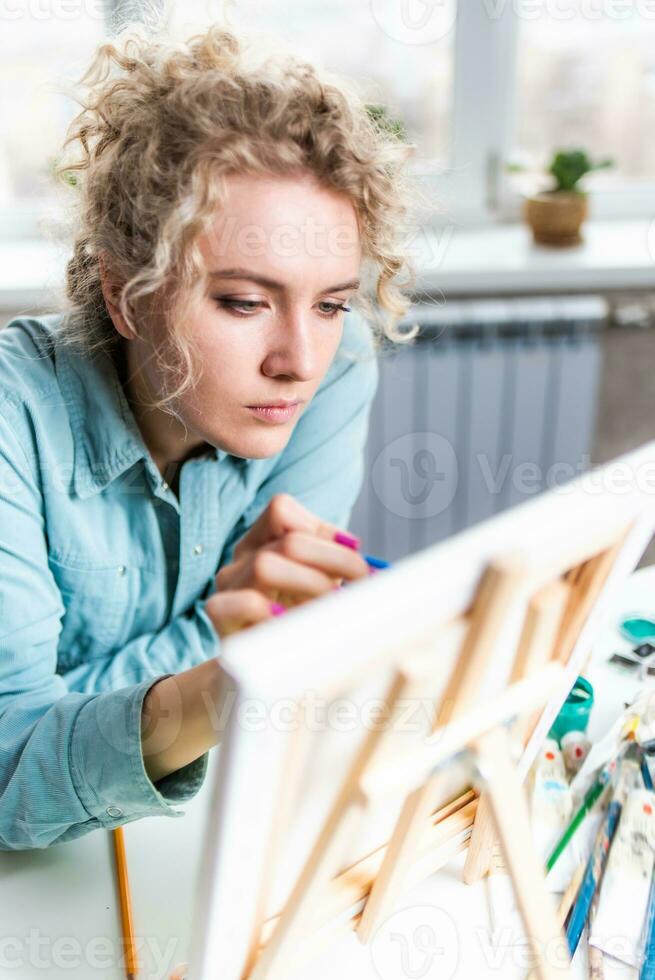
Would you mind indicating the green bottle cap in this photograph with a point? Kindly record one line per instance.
(574, 714)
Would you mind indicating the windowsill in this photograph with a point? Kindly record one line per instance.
(501, 259)
(486, 261)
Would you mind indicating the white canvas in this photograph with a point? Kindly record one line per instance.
(327, 646)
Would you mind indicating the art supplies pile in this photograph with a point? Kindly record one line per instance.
(606, 843)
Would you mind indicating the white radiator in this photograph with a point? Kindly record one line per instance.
(492, 403)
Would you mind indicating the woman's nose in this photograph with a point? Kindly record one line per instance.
(294, 350)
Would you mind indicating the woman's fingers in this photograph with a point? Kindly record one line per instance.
(283, 514)
(292, 570)
(288, 556)
(275, 575)
(326, 556)
(238, 609)
(179, 971)
(319, 566)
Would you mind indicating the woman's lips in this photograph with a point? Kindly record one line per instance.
(275, 413)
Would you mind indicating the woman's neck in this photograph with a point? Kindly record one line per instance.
(167, 440)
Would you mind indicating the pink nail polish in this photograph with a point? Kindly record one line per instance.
(277, 609)
(349, 540)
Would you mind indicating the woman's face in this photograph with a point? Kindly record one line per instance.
(282, 258)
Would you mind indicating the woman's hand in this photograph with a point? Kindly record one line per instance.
(287, 557)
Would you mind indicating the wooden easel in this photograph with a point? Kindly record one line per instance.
(548, 613)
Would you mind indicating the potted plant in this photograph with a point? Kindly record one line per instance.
(385, 121)
(555, 215)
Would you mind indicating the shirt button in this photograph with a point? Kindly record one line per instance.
(164, 485)
(114, 811)
(198, 549)
(121, 569)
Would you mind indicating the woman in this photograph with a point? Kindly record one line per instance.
(180, 448)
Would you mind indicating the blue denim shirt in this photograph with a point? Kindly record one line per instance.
(104, 571)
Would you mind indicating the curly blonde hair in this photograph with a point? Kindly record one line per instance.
(161, 123)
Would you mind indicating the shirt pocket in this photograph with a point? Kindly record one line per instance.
(99, 606)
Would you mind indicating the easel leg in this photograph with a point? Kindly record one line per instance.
(510, 812)
(483, 837)
(543, 619)
(301, 903)
(401, 851)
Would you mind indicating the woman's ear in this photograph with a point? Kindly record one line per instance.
(110, 290)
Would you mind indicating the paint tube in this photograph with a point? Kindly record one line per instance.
(575, 749)
(619, 922)
(551, 810)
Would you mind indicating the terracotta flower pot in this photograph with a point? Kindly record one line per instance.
(556, 216)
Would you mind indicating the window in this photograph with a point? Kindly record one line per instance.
(42, 47)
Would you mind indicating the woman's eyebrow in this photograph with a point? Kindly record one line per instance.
(271, 283)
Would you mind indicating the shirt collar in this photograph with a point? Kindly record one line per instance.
(107, 440)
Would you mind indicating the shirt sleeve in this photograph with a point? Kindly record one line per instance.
(71, 760)
(186, 641)
(322, 465)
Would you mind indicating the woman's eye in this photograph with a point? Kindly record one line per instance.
(235, 304)
(335, 308)
(243, 307)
